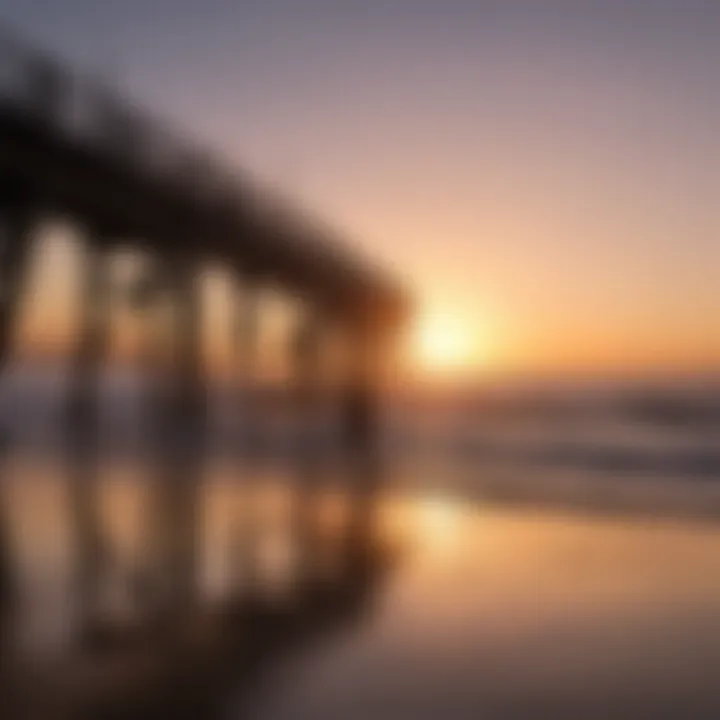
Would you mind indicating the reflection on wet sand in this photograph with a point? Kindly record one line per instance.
(502, 610)
(191, 656)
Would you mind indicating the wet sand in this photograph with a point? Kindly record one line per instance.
(515, 614)
(490, 611)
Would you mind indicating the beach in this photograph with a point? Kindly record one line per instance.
(494, 609)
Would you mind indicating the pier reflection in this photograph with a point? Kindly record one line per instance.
(110, 641)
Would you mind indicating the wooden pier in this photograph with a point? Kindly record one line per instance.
(73, 148)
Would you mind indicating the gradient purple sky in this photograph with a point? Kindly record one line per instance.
(545, 173)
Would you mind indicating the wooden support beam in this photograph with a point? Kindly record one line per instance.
(16, 244)
(246, 341)
(246, 346)
(16, 241)
(361, 431)
(148, 295)
(83, 429)
(307, 366)
(185, 424)
(360, 411)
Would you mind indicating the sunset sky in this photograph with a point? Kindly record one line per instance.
(544, 175)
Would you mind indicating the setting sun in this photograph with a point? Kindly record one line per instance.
(442, 343)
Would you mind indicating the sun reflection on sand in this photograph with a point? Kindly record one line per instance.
(440, 521)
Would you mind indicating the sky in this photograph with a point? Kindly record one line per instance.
(544, 176)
